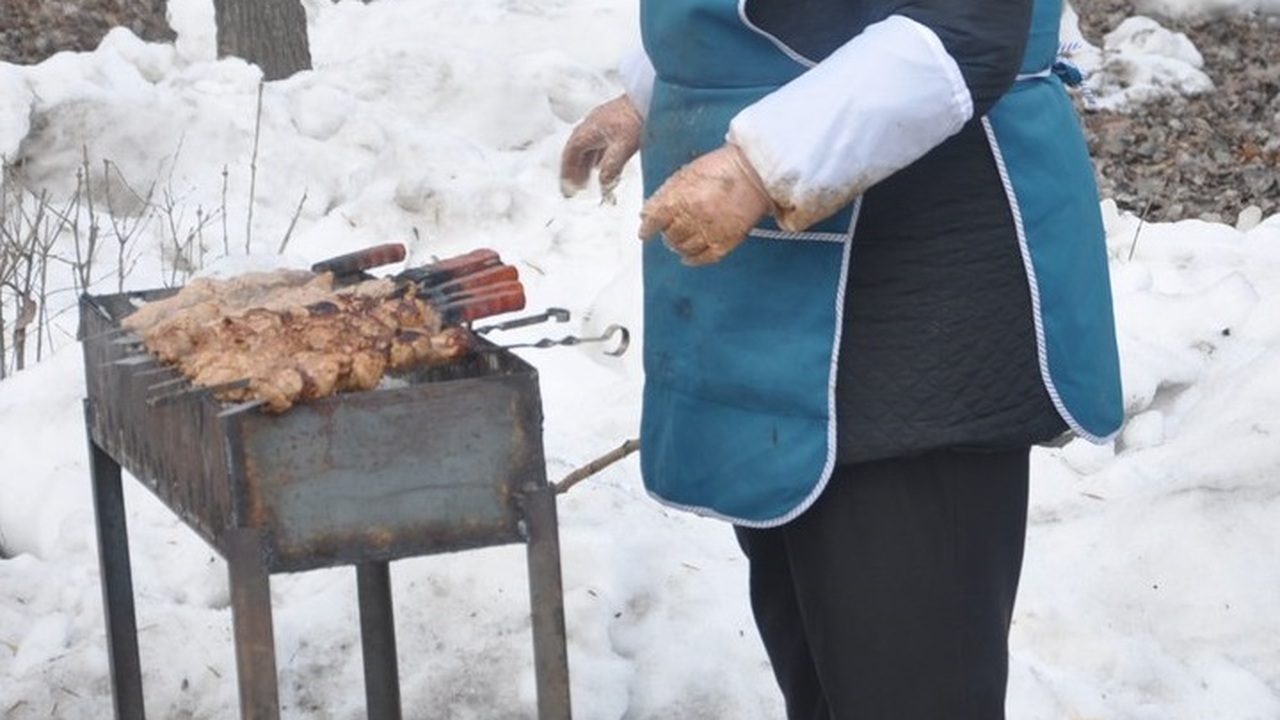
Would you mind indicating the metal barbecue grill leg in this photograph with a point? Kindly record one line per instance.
(546, 599)
(117, 584)
(378, 641)
(251, 618)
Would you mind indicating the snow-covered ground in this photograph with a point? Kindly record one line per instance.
(1151, 579)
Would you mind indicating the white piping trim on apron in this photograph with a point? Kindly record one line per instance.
(807, 235)
(1031, 76)
(1041, 345)
(827, 469)
(782, 47)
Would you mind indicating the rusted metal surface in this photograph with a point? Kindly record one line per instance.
(440, 460)
(175, 449)
(117, 585)
(378, 641)
(430, 467)
(430, 464)
(546, 598)
(251, 622)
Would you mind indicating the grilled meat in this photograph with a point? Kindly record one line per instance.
(296, 338)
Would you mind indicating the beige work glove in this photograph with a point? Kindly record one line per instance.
(707, 207)
(606, 139)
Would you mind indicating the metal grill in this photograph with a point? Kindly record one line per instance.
(441, 459)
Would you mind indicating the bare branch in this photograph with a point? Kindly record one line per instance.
(292, 223)
(253, 172)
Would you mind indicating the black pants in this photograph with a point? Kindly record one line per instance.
(891, 598)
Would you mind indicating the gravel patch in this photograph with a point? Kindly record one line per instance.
(1209, 156)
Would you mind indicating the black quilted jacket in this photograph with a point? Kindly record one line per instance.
(938, 346)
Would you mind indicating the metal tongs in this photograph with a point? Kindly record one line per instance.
(559, 315)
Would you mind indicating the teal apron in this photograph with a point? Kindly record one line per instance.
(740, 357)
(1036, 135)
(738, 418)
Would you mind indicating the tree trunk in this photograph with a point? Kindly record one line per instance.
(271, 34)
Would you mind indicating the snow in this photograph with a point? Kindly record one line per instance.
(1139, 61)
(1150, 584)
(1188, 8)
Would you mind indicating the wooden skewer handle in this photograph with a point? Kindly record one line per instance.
(361, 260)
(494, 300)
(473, 283)
(435, 274)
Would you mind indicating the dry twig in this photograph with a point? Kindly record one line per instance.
(597, 465)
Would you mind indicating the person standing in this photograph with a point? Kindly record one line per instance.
(876, 278)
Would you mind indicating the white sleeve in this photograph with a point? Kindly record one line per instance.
(637, 75)
(874, 106)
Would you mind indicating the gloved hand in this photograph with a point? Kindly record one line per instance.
(606, 138)
(707, 207)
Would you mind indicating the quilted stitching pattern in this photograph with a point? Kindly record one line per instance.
(939, 340)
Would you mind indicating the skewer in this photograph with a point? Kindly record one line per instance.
(179, 394)
(472, 283)
(140, 359)
(557, 314)
(490, 300)
(623, 342)
(162, 385)
(241, 407)
(104, 334)
(158, 370)
(361, 260)
(443, 271)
